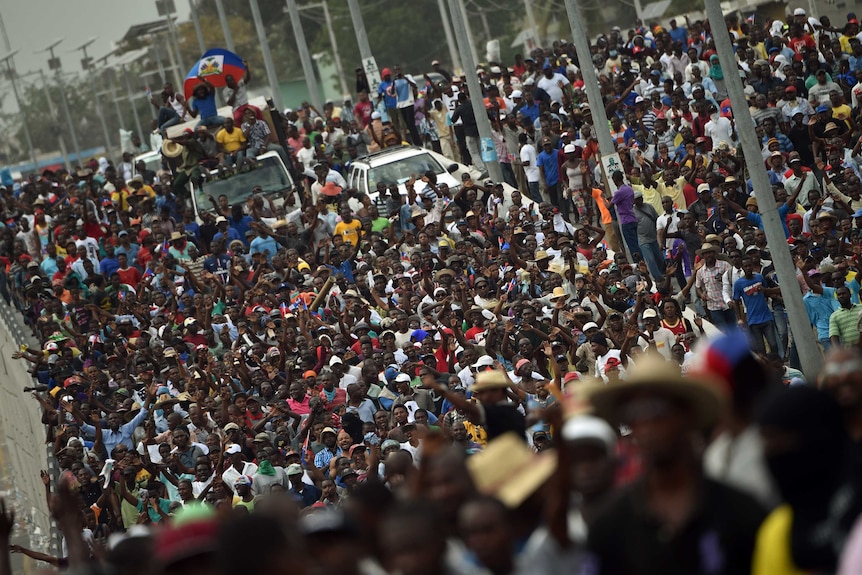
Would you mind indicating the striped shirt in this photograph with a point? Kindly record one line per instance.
(844, 323)
(712, 281)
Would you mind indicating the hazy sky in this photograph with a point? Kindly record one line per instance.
(34, 24)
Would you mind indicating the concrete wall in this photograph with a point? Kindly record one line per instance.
(23, 452)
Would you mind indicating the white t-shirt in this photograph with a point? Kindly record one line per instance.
(529, 159)
(669, 223)
(664, 340)
(553, 86)
(306, 156)
(718, 130)
(602, 360)
(241, 94)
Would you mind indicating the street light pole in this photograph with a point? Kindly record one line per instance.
(594, 95)
(225, 25)
(342, 82)
(800, 325)
(492, 163)
(197, 22)
(304, 56)
(61, 141)
(450, 38)
(87, 65)
(54, 64)
(462, 10)
(13, 77)
(131, 97)
(274, 87)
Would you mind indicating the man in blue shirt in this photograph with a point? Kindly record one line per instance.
(225, 231)
(115, 433)
(264, 243)
(405, 90)
(109, 263)
(549, 172)
(751, 290)
(820, 303)
(678, 34)
(386, 92)
(203, 104)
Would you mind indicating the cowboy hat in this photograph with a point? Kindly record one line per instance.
(171, 149)
(651, 374)
(509, 471)
(491, 379)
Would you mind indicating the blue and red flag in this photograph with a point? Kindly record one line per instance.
(214, 66)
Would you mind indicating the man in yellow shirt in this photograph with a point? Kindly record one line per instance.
(231, 143)
(348, 228)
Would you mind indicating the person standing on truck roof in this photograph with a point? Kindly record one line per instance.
(235, 94)
(260, 137)
(190, 169)
(203, 105)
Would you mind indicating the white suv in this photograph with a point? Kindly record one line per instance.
(396, 165)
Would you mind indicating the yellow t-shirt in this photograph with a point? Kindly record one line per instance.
(772, 548)
(231, 142)
(350, 232)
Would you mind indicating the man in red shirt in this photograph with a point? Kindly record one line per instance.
(363, 109)
(128, 275)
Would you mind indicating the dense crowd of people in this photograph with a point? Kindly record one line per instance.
(566, 373)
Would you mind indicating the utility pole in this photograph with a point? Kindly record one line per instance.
(87, 65)
(304, 56)
(800, 326)
(450, 38)
(55, 64)
(225, 25)
(267, 55)
(342, 82)
(173, 35)
(112, 77)
(13, 78)
(462, 10)
(199, 33)
(594, 95)
(531, 22)
(483, 16)
(492, 163)
(369, 64)
(53, 111)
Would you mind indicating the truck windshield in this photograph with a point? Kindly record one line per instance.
(399, 171)
(270, 175)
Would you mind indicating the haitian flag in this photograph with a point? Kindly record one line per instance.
(214, 66)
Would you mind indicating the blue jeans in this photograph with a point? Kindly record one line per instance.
(630, 235)
(654, 259)
(167, 117)
(535, 194)
(211, 121)
(724, 319)
(761, 331)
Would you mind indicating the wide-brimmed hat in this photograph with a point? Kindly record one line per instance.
(702, 393)
(491, 379)
(165, 400)
(509, 471)
(171, 149)
(559, 293)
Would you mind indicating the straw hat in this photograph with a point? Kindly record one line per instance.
(171, 149)
(165, 400)
(559, 292)
(702, 393)
(509, 471)
(491, 379)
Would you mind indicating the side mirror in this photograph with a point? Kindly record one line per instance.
(452, 168)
